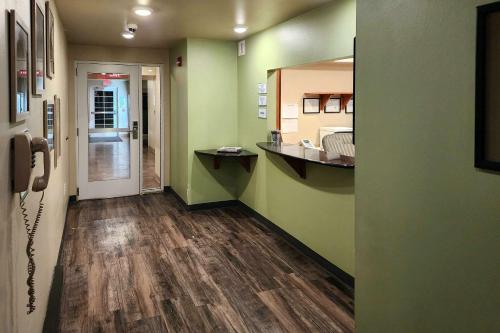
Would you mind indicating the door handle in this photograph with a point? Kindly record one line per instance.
(135, 130)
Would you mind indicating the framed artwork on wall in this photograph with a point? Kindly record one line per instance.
(349, 108)
(487, 141)
(333, 105)
(19, 70)
(310, 105)
(57, 102)
(37, 49)
(48, 123)
(50, 41)
(57, 132)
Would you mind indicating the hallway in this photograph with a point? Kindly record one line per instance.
(146, 264)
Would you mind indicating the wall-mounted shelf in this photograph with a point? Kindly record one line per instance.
(297, 157)
(244, 157)
(324, 97)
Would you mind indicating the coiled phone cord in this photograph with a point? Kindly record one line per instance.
(30, 251)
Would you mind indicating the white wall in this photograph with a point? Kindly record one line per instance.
(13, 261)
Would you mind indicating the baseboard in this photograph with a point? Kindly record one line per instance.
(343, 277)
(51, 323)
(202, 206)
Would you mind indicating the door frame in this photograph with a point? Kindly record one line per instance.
(162, 119)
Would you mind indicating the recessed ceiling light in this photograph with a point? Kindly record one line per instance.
(347, 60)
(143, 11)
(150, 70)
(127, 35)
(239, 29)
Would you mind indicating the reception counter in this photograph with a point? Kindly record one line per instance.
(297, 156)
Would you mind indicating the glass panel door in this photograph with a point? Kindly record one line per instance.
(108, 124)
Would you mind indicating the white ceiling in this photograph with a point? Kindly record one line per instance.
(100, 22)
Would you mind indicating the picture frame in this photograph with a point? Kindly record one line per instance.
(349, 107)
(57, 102)
(37, 49)
(19, 68)
(310, 105)
(487, 122)
(48, 123)
(333, 105)
(50, 62)
(56, 130)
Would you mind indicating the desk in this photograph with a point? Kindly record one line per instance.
(297, 157)
(243, 157)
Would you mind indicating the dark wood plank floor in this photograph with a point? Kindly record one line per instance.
(145, 264)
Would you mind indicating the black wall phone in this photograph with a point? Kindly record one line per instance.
(24, 149)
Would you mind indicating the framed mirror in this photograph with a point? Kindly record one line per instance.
(19, 68)
(37, 49)
(48, 123)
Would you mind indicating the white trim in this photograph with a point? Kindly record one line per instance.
(162, 117)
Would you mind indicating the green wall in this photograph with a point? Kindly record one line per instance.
(319, 211)
(204, 94)
(427, 221)
(179, 120)
(212, 116)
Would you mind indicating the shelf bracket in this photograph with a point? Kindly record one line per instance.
(297, 164)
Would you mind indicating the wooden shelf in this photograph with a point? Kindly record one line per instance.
(243, 157)
(324, 97)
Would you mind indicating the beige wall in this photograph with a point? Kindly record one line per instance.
(13, 261)
(115, 54)
(296, 82)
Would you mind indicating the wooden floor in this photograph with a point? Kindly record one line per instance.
(145, 264)
(109, 160)
(149, 176)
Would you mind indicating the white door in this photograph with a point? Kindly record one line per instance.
(108, 130)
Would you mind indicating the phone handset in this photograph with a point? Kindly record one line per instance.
(24, 160)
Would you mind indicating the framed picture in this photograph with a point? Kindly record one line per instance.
(19, 70)
(333, 105)
(487, 141)
(310, 105)
(48, 123)
(349, 108)
(57, 110)
(50, 41)
(37, 49)
(57, 133)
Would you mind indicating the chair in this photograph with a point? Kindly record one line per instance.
(340, 143)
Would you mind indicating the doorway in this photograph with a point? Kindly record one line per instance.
(151, 129)
(108, 130)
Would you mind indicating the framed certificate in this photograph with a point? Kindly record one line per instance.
(333, 105)
(310, 105)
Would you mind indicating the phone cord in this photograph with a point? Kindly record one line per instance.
(30, 251)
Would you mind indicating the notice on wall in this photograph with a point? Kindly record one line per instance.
(262, 113)
(262, 88)
(289, 125)
(262, 100)
(290, 111)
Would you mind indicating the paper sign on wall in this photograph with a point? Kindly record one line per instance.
(290, 111)
(242, 49)
(262, 100)
(289, 125)
(262, 113)
(262, 88)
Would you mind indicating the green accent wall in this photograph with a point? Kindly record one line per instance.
(204, 116)
(179, 120)
(427, 221)
(319, 211)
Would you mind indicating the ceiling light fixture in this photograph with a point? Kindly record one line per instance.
(128, 35)
(239, 29)
(143, 11)
(347, 60)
